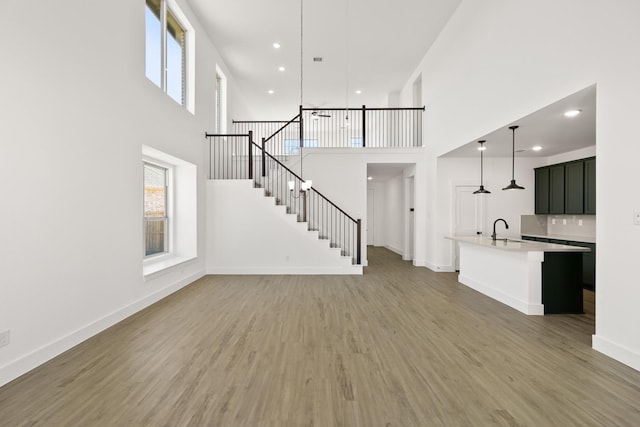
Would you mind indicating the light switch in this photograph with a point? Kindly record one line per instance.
(580, 222)
(564, 222)
(636, 218)
(553, 221)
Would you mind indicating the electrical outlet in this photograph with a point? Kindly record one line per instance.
(553, 221)
(564, 222)
(4, 338)
(580, 222)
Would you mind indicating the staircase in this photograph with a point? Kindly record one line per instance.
(259, 151)
(236, 157)
(250, 233)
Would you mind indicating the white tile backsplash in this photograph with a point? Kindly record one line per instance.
(569, 225)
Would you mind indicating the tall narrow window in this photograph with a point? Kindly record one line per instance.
(220, 102)
(165, 57)
(156, 227)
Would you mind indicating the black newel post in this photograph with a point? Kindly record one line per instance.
(249, 144)
(364, 126)
(264, 168)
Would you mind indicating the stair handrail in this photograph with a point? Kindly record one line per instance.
(282, 128)
(302, 180)
(248, 135)
(356, 222)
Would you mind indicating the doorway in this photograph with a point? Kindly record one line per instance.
(469, 211)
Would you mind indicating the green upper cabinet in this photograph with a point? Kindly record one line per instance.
(542, 191)
(556, 189)
(566, 188)
(574, 188)
(590, 186)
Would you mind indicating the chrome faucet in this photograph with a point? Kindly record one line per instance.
(493, 236)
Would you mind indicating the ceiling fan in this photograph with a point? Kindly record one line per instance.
(317, 113)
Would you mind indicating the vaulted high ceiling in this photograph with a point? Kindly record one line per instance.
(366, 45)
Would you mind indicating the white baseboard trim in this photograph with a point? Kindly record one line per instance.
(26, 363)
(352, 269)
(394, 249)
(616, 351)
(438, 268)
(522, 306)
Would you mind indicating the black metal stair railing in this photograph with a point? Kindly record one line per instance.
(311, 206)
(339, 128)
(237, 156)
(231, 156)
(282, 134)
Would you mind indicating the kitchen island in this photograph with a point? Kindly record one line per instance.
(533, 277)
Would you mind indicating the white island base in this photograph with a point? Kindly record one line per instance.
(511, 277)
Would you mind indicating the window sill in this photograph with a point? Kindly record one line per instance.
(156, 267)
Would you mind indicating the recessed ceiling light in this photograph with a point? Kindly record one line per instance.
(369, 178)
(270, 91)
(536, 147)
(281, 68)
(276, 45)
(358, 92)
(572, 113)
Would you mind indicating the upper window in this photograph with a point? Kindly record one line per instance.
(166, 49)
(220, 102)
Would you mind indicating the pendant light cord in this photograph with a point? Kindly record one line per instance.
(481, 165)
(301, 77)
(301, 50)
(346, 38)
(513, 153)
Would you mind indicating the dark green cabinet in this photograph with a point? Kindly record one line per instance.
(574, 188)
(566, 188)
(588, 258)
(590, 186)
(589, 267)
(556, 189)
(542, 191)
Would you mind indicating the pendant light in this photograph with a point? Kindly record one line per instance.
(481, 190)
(513, 185)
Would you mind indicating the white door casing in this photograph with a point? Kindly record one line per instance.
(468, 211)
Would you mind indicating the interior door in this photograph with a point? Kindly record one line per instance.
(469, 215)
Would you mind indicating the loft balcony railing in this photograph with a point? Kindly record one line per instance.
(237, 156)
(339, 128)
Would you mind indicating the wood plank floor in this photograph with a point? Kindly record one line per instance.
(398, 346)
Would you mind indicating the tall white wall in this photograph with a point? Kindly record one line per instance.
(76, 109)
(499, 60)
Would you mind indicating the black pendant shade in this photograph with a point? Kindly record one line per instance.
(513, 185)
(481, 190)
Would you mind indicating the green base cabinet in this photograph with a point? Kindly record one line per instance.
(588, 269)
